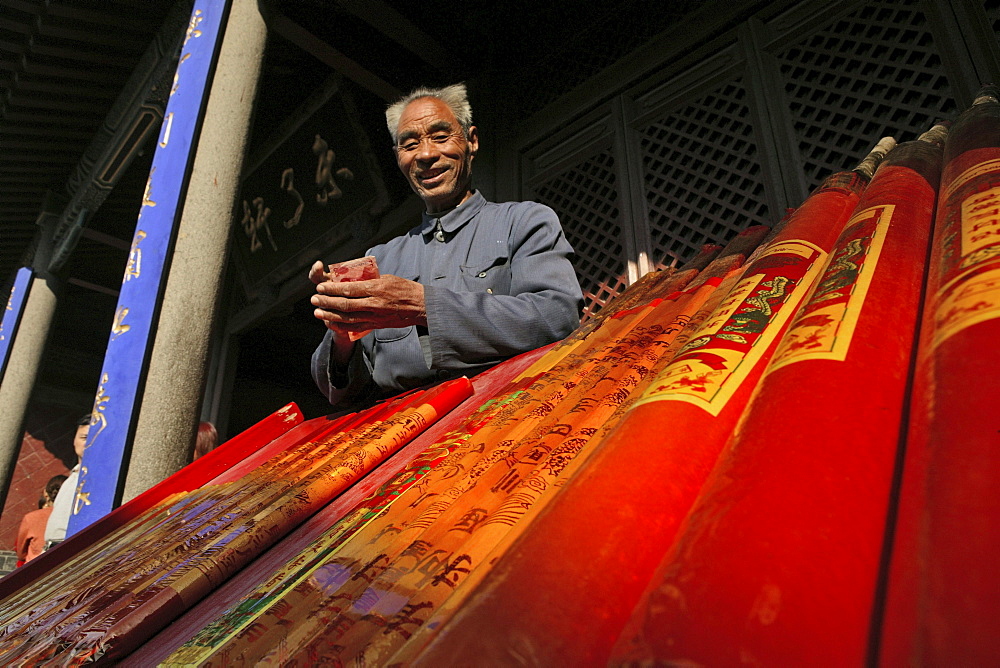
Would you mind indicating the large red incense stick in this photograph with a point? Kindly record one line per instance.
(947, 537)
(778, 561)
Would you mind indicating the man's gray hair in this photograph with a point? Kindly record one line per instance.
(455, 96)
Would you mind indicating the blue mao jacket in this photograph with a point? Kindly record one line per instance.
(497, 282)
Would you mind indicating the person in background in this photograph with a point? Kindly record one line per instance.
(205, 440)
(31, 532)
(473, 284)
(62, 507)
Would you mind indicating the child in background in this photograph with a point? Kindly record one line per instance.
(31, 532)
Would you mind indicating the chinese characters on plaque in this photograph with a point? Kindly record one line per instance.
(256, 214)
(317, 187)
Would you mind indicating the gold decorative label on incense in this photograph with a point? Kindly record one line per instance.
(969, 279)
(726, 348)
(824, 327)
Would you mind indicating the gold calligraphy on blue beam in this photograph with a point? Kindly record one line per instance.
(118, 326)
(10, 300)
(192, 30)
(81, 498)
(97, 418)
(104, 463)
(133, 269)
(147, 197)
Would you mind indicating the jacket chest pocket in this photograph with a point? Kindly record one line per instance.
(390, 334)
(491, 275)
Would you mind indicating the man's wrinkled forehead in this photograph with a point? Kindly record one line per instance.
(427, 112)
(438, 125)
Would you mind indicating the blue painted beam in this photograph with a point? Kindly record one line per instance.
(12, 314)
(105, 459)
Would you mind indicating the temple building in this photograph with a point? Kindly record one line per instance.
(649, 489)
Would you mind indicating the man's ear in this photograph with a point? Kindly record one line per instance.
(473, 141)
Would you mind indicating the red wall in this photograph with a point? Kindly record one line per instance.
(46, 450)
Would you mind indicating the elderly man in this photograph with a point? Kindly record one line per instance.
(473, 284)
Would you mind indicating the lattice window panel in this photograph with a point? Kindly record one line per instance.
(873, 73)
(701, 175)
(594, 37)
(586, 199)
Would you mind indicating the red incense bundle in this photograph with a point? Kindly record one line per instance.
(779, 557)
(944, 594)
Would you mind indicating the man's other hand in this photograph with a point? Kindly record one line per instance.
(317, 272)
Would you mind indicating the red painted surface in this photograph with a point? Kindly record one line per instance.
(45, 451)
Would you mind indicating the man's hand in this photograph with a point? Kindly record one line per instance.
(358, 306)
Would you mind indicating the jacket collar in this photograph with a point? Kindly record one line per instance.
(453, 219)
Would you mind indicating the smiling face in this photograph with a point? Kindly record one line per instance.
(434, 154)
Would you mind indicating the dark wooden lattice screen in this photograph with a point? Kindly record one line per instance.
(873, 73)
(697, 151)
(586, 198)
(992, 8)
(702, 181)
